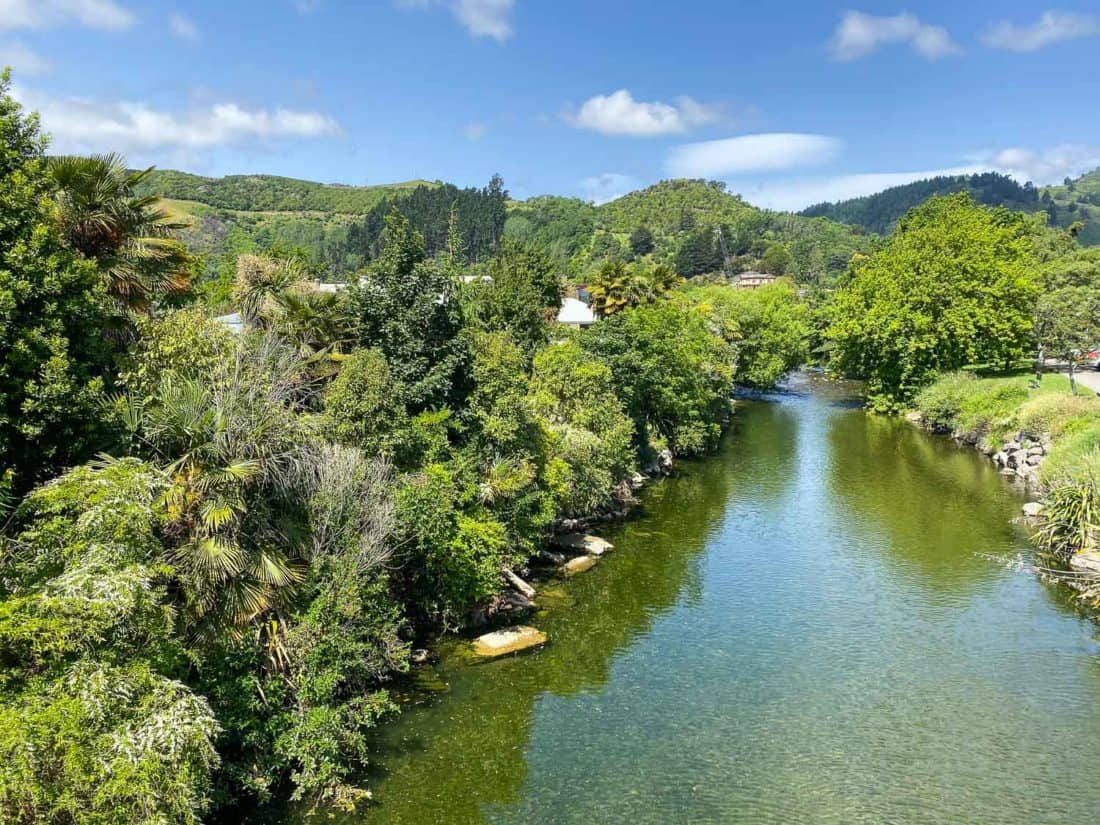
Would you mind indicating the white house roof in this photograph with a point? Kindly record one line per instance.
(575, 312)
(234, 321)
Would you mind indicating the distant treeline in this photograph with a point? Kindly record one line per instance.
(478, 214)
(880, 212)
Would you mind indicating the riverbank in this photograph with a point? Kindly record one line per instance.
(1039, 435)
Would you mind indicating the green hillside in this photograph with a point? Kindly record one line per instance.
(695, 226)
(270, 193)
(1075, 201)
(879, 212)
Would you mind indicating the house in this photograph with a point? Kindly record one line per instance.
(576, 314)
(751, 280)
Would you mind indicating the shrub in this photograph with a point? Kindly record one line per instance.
(940, 403)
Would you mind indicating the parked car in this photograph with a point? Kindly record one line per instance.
(1091, 359)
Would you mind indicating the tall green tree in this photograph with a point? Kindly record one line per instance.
(53, 309)
(953, 286)
(407, 307)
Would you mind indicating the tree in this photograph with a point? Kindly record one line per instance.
(521, 295)
(364, 407)
(54, 361)
(641, 241)
(953, 286)
(128, 236)
(776, 260)
(769, 328)
(618, 286)
(406, 306)
(1067, 325)
(698, 254)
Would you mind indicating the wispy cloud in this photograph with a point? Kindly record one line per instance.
(43, 14)
(860, 34)
(475, 131)
(608, 186)
(1051, 27)
(183, 28)
(481, 18)
(24, 61)
(620, 114)
(81, 125)
(767, 152)
(1046, 166)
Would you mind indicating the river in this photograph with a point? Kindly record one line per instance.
(825, 623)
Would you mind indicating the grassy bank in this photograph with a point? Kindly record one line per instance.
(988, 411)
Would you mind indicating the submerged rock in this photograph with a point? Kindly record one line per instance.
(578, 565)
(589, 545)
(1033, 509)
(509, 640)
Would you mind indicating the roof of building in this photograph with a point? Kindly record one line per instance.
(234, 321)
(575, 312)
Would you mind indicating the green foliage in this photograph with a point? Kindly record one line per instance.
(880, 212)
(184, 343)
(769, 328)
(520, 297)
(673, 375)
(53, 356)
(589, 434)
(363, 406)
(699, 254)
(642, 241)
(617, 286)
(911, 311)
(405, 306)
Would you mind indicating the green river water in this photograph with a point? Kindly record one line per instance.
(825, 623)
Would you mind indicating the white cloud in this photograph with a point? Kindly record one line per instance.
(42, 14)
(475, 131)
(608, 186)
(751, 153)
(183, 28)
(80, 125)
(23, 60)
(1051, 27)
(859, 34)
(481, 18)
(620, 114)
(1041, 168)
(1048, 166)
(798, 194)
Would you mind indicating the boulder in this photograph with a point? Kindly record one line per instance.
(1033, 509)
(509, 640)
(1008, 472)
(1036, 450)
(578, 565)
(420, 656)
(665, 461)
(1011, 446)
(589, 545)
(1000, 459)
(637, 481)
(1087, 561)
(1014, 459)
(1034, 460)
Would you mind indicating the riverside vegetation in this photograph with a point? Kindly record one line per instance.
(218, 550)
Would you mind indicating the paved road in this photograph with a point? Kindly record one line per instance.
(1089, 378)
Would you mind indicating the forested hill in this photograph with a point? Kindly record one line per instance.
(1076, 201)
(879, 212)
(693, 225)
(271, 193)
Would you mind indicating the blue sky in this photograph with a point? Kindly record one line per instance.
(790, 103)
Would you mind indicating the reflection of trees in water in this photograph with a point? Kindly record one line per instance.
(444, 762)
(937, 505)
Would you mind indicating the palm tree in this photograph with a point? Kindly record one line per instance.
(128, 236)
(235, 452)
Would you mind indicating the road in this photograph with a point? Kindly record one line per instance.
(1089, 378)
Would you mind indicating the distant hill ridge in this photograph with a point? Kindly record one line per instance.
(272, 193)
(1077, 200)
